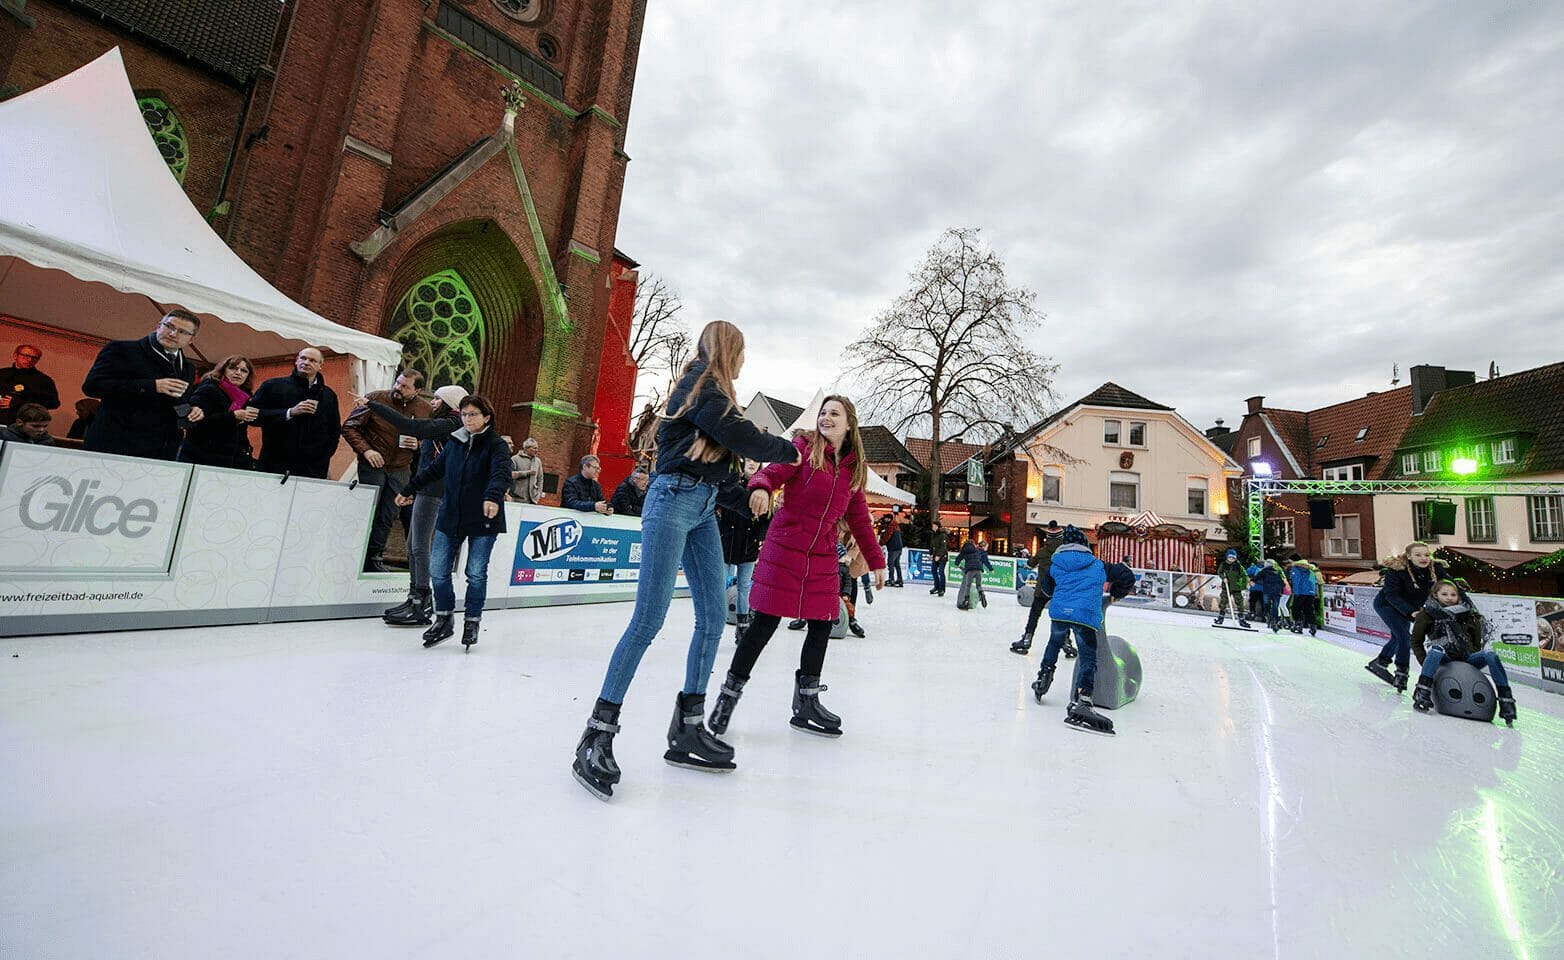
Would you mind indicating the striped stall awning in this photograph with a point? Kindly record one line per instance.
(1153, 553)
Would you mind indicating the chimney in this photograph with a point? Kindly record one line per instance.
(1428, 380)
(1255, 403)
(1217, 431)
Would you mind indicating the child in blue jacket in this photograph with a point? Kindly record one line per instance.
(1271, 584)
(1074, 581)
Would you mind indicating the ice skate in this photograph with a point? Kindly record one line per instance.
(690, 744)
(1022, 646)
(594, 766)
(868, 593)
(983, 598)
(469, 633)
(1380, 670)
(444, 628)
(855, 629)
(1401, 680)
(1244, 624)
(1423, 695)
(1045, 679)
(1506, 706)
(809, 716)
(415, 611)
(727, 699)
(798, 624)
(1218, 621)
(1081, 716)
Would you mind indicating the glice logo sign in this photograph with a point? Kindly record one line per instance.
(53, 504)
(551, 540)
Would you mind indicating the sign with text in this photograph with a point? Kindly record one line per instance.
(575, 548)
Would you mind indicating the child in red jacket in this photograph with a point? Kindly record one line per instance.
(797, 574)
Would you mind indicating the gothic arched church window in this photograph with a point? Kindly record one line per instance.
(167, 132)
(441, 330)
(527, 11)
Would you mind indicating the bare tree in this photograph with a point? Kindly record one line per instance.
(659, 340)
(948, 355)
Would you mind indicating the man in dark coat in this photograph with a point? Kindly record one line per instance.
(1052, 537)
(583, 492)
(630, 495)
(22, 382)
(299, 421)
(142, 385)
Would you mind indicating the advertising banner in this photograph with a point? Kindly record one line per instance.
(1153, 589)
(1002, 577)
(1550, 642)
(1369, 622)
(565, 553)
(1197, 592)
(1510, 629)
(1340, 614)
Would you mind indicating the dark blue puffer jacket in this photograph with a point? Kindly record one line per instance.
(1270, 580)
(1076, 580)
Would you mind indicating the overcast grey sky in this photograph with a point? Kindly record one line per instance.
(1211, 200)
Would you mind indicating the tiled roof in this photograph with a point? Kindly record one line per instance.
(1225, 441)
(230, 37)
(1293, 427)
(1111, 394)
(785, 412)
(881, 446)
(952, 453)
(1386, 416)
(1528, 405)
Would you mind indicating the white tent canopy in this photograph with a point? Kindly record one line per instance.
(878, 490)
(86, 196)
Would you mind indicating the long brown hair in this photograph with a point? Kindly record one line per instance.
(218, 372)
(721, 344)
(852, 443)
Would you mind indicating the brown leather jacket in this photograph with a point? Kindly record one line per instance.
(365, 432)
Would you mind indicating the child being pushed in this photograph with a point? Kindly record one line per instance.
(1448, 628)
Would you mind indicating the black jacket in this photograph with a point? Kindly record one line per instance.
(741, 535)
(433, 432)
(475, 469)
(134, 419)
(714, 416)
(217, 439)
(35, 387)
(973, 557)
(1405, 589)
(939, 547)
(581, 494)
(627, 500)
(303, 445)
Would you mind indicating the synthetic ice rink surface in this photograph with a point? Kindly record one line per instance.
(335, 791)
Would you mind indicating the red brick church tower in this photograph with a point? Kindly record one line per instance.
(448, 174)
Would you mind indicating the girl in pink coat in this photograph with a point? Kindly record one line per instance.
(796, 575)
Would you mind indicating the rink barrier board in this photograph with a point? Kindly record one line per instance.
(1513, 624)
(98, 542)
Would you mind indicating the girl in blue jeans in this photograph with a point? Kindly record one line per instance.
(701, 433)
(1448, 628)
(1409, 577)
(476, 467)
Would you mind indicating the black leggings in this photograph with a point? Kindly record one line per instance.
(810, 661)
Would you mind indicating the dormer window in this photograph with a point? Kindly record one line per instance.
(1430, 461)
(1361, 434)
(1504, 451)
(1323, 440)
(1409, 463)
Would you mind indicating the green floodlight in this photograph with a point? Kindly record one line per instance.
(1464, 466)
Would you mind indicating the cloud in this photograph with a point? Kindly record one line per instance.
(1211, 201)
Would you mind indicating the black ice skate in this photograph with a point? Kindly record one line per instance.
(594, 766)
(798, 624)
(1401, 681)
(1506, 706)
(727, 699)
(855, 629)
(1218, 621)
(690, 744)
(809, 716)
(469, 633)
(1045, 679)
(416, 611)
(444, 628)
(1380, 670)
(1423, 695)
(1081, 716)
(1022, 646)
(983, 598)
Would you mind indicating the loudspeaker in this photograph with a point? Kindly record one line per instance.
(1322, 514)
(1441, 518)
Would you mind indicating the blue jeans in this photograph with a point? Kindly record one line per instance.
(1086, 650)
(1484, 658)
(442, 561)
(939, 575)
(745, 574)
(679, 521)
(1400, 644)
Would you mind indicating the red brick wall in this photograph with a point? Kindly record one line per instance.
(63, 40)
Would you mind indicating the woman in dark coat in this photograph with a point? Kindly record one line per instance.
(475, 465)
(741, 537)
(221, 438)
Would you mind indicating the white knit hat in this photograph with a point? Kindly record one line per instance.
(451, 395)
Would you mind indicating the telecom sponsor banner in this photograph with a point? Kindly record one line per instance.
(1510, 630)
(1550, 641)
(1340, 614)
(68, 514)
(1153, 589)
(570, 550)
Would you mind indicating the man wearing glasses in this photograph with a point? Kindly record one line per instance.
(22, 382)
(299, 420)
(142, 385)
